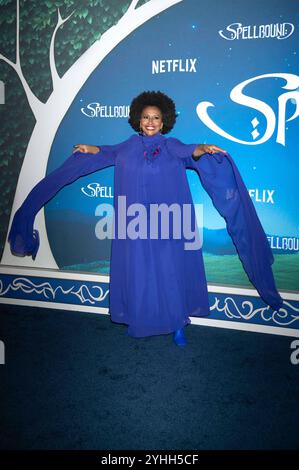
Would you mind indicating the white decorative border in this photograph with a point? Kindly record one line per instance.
(236, 312)
(281, 317)
(49, 292)
(242, 326)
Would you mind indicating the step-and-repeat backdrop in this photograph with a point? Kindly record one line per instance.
(232, 70)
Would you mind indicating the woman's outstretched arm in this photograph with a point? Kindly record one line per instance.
(201, 149)
(85, 148)
(23, 239)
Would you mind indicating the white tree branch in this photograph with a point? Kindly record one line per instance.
(54, 73)
(132, 6)
(34, 102)
(150, 9)
(9, 62)
(51, 114)
(18, 33)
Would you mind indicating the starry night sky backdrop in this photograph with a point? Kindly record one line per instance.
(187, 31)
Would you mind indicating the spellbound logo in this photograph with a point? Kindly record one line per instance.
(97, 110)
(236, 31)
(96, 190)
(285, 100)
(278, 242)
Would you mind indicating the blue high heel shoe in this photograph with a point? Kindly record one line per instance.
(179, 337)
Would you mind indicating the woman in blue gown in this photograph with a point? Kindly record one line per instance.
(156, 282)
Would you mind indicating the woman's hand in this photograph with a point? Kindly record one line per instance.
(86, 148)
(206, 148)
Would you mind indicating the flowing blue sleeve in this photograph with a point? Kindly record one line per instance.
(221, 179)
(23, 239)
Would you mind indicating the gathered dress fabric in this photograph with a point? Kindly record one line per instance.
(156, 284)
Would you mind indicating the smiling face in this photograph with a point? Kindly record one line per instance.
(151, 120)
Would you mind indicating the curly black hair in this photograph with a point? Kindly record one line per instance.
(153, 98)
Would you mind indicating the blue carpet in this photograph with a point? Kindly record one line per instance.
(75, 381)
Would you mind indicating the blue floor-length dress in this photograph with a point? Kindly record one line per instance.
(156, 284)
